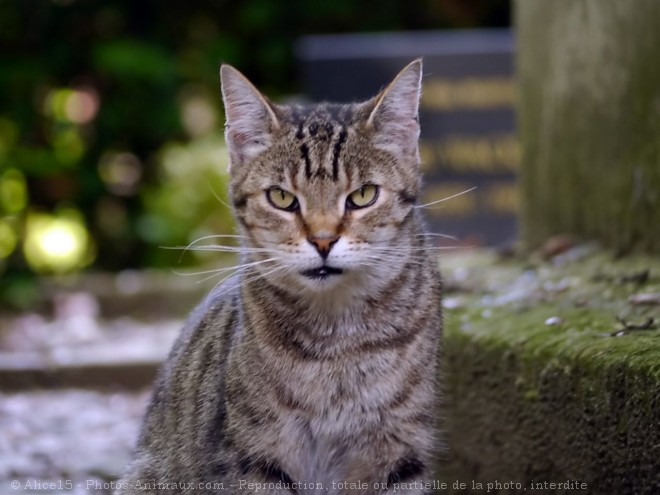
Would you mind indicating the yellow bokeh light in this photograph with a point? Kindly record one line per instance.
(7, 239)
(68, 146)
(13, 191)
(56, 244)
(8, 136)
(55, 103)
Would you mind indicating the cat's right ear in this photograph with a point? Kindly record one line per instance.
(250, 119)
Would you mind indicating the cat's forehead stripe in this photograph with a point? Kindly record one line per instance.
(336, 151)
(322, 132)
(304, 152)
(317, 163)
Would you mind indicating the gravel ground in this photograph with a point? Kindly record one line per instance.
(67, 441)
(70, 440)
(77, 335)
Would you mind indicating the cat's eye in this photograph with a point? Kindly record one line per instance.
(363, 197)
(282, 199)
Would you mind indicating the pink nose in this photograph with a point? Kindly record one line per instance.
(323, 244)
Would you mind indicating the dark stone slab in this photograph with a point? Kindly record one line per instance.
(466, 113)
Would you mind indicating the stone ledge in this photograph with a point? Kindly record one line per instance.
(540, 387)
(118, 377)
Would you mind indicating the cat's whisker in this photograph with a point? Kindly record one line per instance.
(244, 281)
(220, 236)
(401, 252)
(237, 270)
(397, 256)
(420, 248)
(228, 249)
(447, 198)
(217, 196)
(443, 248)
(217, 236)
(217, 271)
(219, 248)
(212, 291)
(204, 238)
(388, 263)
(388, 260)
(437, 248)
(435, 234)
(385, 266)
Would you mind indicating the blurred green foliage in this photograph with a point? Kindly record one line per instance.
(111, 110)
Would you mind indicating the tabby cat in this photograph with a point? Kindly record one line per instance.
(312, 370)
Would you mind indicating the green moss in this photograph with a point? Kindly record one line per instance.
(587, 295)
(529, 400)
(585, 336)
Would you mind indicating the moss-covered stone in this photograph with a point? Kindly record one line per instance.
(533, 401)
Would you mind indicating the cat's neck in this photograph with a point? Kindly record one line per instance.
(339, 305)
(316, 327)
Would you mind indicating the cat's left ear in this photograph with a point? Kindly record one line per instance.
(395, 117)
(250, 117)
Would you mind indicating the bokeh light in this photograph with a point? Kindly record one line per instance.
(128, 128)
(186, 203)
(13, 192)
(121, 172)
(8, 239)
(57, 243)
(8, 136)
(79, 105)
(198, 115)
(68, 146)
(82, 105)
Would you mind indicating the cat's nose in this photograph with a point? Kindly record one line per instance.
(323, 243)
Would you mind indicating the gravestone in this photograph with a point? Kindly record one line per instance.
(467, 116)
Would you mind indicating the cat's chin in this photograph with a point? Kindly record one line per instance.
(323, 281)
(344, 285)
(332, 285)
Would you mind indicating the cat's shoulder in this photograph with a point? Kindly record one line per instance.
(215, 314)
(222, 297)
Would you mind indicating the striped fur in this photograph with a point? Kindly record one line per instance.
(292, 380)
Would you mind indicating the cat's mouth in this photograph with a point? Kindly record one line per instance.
(322, 272)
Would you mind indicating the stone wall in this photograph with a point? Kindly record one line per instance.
(589, 120)
(544, 383)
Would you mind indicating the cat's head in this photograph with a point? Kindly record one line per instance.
(326, 193)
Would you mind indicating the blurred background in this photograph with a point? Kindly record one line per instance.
(111, 121)
(111, 151)
(111, 148)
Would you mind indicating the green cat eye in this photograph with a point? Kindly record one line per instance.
(363, 197)
(281, 199)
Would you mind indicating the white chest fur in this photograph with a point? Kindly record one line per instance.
(341, 406)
